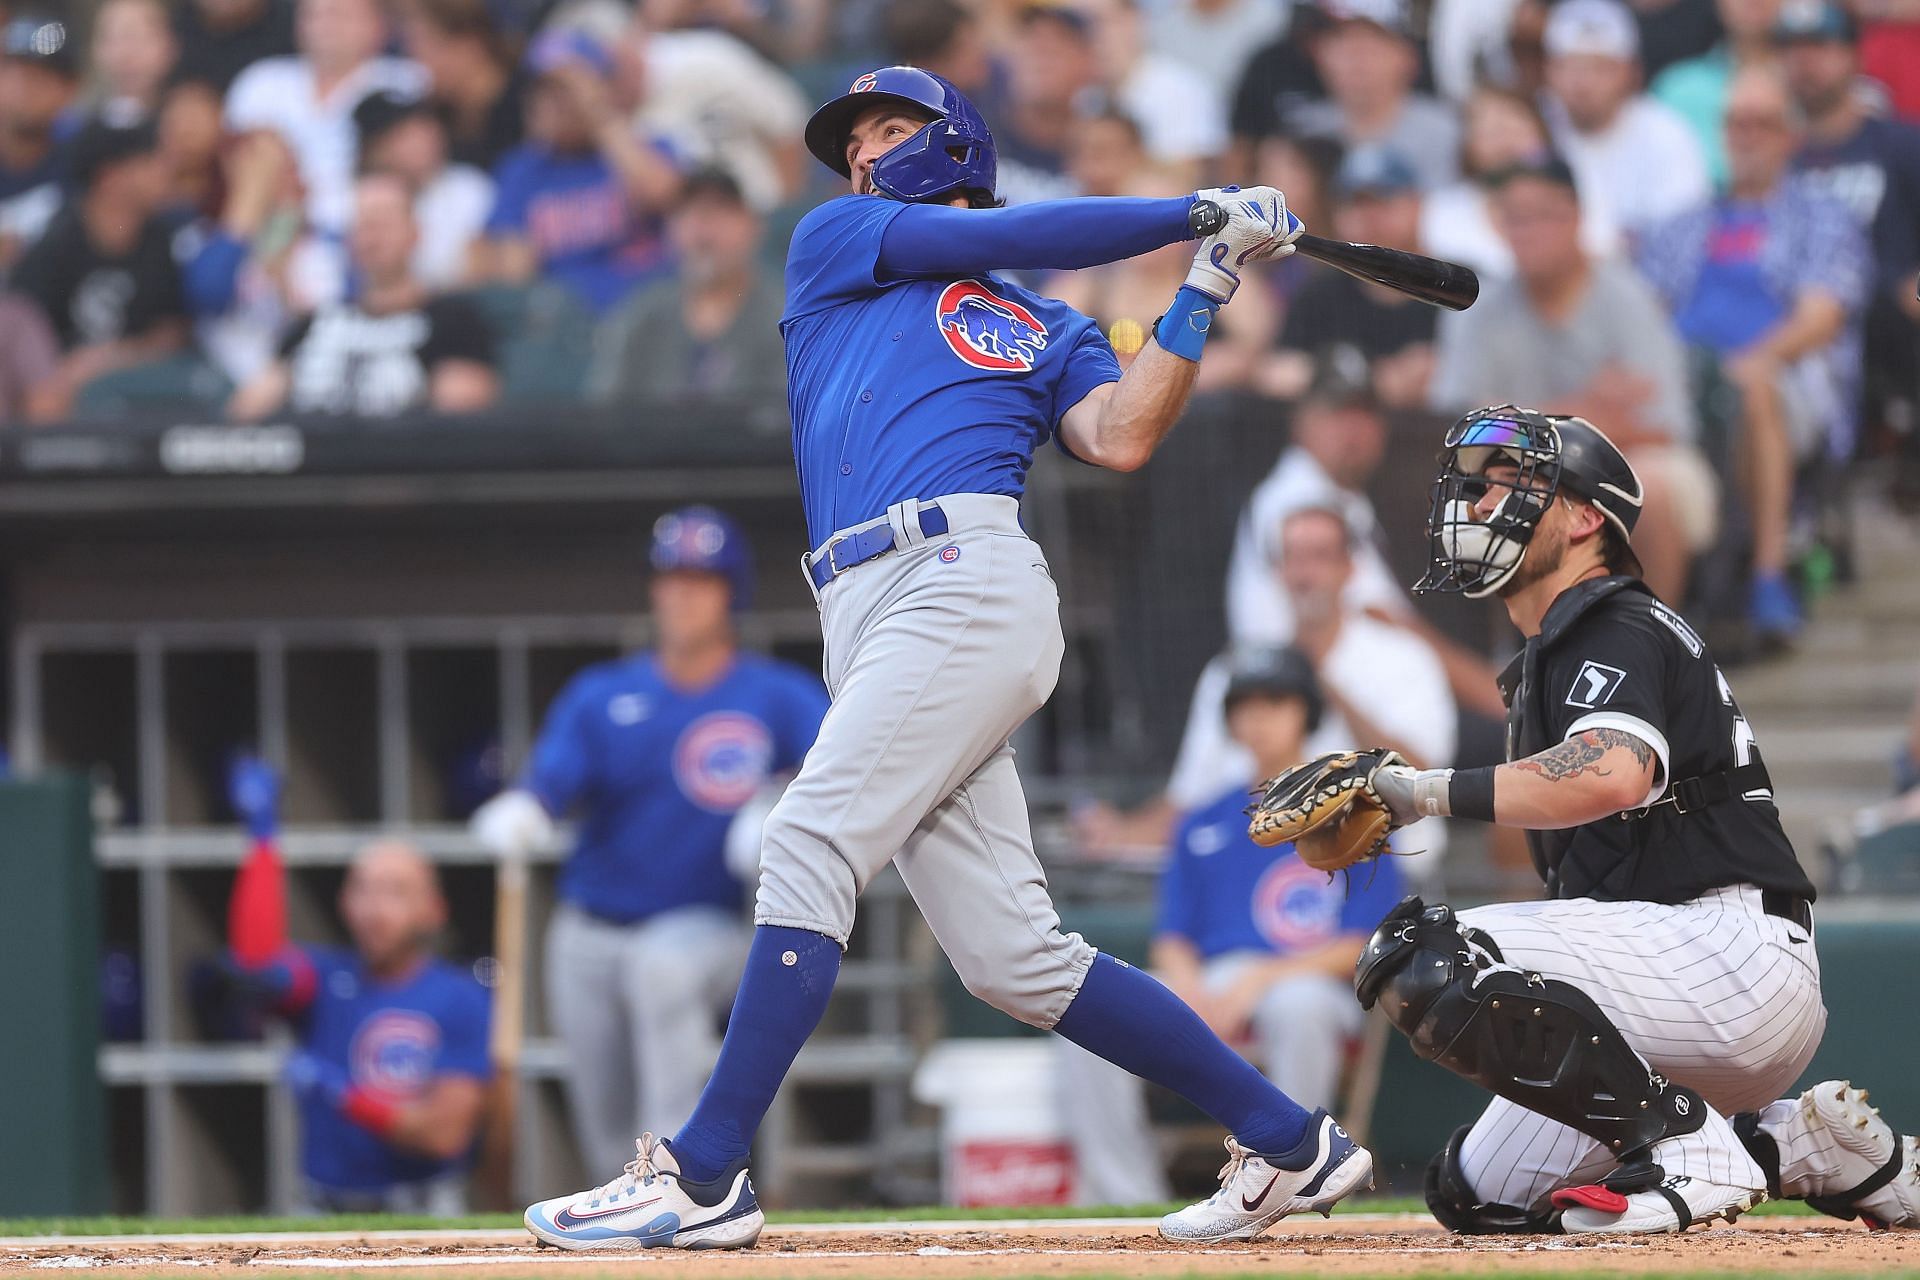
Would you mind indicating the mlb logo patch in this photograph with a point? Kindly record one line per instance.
(1594, 685)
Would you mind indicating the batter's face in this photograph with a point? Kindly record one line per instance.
(391, 904)
(874, 132)
(690, 607)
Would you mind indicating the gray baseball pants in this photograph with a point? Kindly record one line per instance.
(935, 654)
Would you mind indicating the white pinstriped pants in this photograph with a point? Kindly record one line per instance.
(1714, 993)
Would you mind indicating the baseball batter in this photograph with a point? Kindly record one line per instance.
(1670, 981)
(656, 752)
(920, 386)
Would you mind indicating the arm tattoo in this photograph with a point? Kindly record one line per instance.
(1583, 753)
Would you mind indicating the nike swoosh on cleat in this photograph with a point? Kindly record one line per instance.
(567, 1218)
(1257, 1201)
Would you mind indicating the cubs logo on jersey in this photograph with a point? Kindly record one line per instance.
(1294, 906)
(721, 759)
(988, 331)
(393, 1052)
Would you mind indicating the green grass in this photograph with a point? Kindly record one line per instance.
(116, 1226)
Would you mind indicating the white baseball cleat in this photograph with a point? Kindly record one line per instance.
(649, 1207)
(1674, 1205)
(1257, 1190)
(1879, 1172)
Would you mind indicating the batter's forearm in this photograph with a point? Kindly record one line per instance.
(1131, 416)
(1050, 235)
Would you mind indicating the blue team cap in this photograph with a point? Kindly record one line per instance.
(568, 45)
(1374, 170)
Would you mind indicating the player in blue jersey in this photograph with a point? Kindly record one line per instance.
(1258, 942)
(920, 385)
(391, 1068)
(656, 753)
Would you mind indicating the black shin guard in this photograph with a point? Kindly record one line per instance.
(1537, 1041)
(1455, 1207)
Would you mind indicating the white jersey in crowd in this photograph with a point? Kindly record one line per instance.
(718, 100)
(1258, 612)
(1390, 674)
(1196, 130)
(451, 210)
(1217, 42)
(1647, 165)
(279, 94)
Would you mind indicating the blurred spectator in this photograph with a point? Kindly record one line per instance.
(1636, 160)
(133, 53)
(1671, 31)
(1770, 279)
(580, 202)
(218, 39)
(1572, 334)
(1367, 60)
(472, 77)
(1216, 38)
(1258, 943)
(405, 137)
(391, 1063)
(1503, 129)
(713, 331)
(1379, 204)
(715, 101)
(104, 273)
(1890, 51)
(1279, 79)
(395, 348)
(1142, 81)
(1468, 45)
(187, 122)
(1412, 713)
(37, 88)
(1304, 169)
(790, 33)
(309, 99)
(29, 362)
(1696, 89)
(1873, 167)
(945, 37)
(1125, 297)
(1052, 66)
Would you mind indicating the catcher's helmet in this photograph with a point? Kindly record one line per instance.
(704, 540)
(954, 152)
(1550, 452)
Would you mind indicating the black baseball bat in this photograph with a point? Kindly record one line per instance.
(1444, 284)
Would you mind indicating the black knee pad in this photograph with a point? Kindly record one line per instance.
(1537, 1041)
(1454, 1206)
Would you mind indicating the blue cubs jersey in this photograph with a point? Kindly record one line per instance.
(914, 388)
(1222, 892)
(657, 773)
(392, 1039)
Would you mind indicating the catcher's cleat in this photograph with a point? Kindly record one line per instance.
(1878, 1176)
(1674, 1205)
(1257, 1190)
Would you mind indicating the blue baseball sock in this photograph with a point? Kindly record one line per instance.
(1131, 1020)
(790, 973)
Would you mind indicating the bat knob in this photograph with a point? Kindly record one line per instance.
(1204, 218)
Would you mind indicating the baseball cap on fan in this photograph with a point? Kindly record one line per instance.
(1388, 15)
(1814, 21)
(1597, 28)
(41, 40)
(566, 47)
(1373, 169)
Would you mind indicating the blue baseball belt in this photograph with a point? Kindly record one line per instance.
(845, 551)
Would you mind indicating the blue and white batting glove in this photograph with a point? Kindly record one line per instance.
(1258, 229)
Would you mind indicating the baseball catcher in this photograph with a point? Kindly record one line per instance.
(1629, 1025)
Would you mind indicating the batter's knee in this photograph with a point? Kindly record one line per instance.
(804, 882)
(1032, 985)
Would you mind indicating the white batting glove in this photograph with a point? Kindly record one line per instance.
(512, 825)
(1258, 229)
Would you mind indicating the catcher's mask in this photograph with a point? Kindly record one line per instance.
(1477, 555)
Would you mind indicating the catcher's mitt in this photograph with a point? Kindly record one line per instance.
(1328, 808)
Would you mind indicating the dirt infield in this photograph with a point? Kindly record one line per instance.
(1351, 1245)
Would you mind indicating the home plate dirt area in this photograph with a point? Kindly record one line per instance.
(1349, 1245)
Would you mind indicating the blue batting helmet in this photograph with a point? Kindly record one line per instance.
(954, 152)
(704, 540)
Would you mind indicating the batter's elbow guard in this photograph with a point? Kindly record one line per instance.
(1540, 1042)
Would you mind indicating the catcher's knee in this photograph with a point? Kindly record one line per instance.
(1454, 1205)
(1537, 1041)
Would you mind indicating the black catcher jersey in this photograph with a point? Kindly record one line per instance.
(1611, 654)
